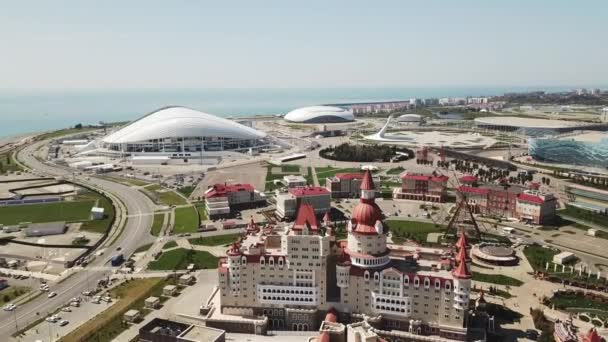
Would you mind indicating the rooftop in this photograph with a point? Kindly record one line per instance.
(308, 191)
(221, 190)
(529, 122)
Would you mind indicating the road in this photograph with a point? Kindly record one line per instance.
(135, 233)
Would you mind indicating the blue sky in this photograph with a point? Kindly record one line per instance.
(264, 44)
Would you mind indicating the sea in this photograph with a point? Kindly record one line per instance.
(34, 111)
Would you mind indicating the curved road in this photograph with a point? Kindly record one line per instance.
(135, 233)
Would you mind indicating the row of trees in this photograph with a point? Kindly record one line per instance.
(364, 153)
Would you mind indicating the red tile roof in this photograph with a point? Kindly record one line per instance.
(323, 337)
(462, 241)
(462, 271)
(530, 198)
(349, 176)
(468, 179)
(592, 336)
(305, 215)
(473, 190)
(221, 190)
(367, 183)
(331, 316)
(441, 178)
(308, 191)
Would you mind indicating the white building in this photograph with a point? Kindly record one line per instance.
(293, 181)
(535, 207)
(320, 114)
(288, 202)
(222, 199)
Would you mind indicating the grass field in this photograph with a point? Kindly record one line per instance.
(290, 168)
(143, 248)
(178, 259)
(565, 300)
(99, 226)
(395, 170)
(539, 256)
(499, 279)
(12, 292)
(107, 325)
(127, 181)
(157, 225)
(7, 163)
(164, 196)
(186, 220)
(324, 172)
(202, 213)
(170, 244)
(46, 212)
(414, 230)
(218, 240)
(186, 190)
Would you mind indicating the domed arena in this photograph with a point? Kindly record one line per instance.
(320, 114)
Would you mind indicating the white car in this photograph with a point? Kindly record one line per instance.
(10, 307)
(52, 294)
(66, 309)
(63, 323)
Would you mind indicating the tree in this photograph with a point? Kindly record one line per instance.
(78, 126)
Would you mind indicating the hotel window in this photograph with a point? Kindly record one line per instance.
(416, 282)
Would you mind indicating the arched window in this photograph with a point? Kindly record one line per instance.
(437, 284)
(244, 260)
(376, 276)
(406, 280)
(366, 275)
(271, 261)
(448, 285)
(280, 262)
(262, 261)
(416, 282)
(427, 282)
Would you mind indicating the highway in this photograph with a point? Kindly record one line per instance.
(135, 233)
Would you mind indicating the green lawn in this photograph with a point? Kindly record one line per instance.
(414, 230)
(290, 168)
(127, 181)
(170, 244)
(218, 240)
(7, 163)
(499, 279)
(143, 248)
(157, 225)
(46, 212)
(573, 300)
(99, 226)
(202, 213)
(186, 220)
(186, 190)
(328, 171)
(539, 256)
(12, 292)
(178, 259)
(164, 196)
(395, 170)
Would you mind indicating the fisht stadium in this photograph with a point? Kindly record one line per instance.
(181, 132)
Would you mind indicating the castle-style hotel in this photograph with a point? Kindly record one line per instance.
(302, 278)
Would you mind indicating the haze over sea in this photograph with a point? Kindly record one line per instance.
(24, 112)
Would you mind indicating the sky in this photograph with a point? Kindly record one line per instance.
(59, 45)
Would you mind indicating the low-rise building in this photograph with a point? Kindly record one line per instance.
(162, 330)
(169, 290)
(152, 303)
(186, 280)
(288, 202)
(222, 199)
(422, 187)
(132, 316)
(563, 258)
(535, 207)
(586, 197)
(294, 181)
(346, 185)
(44, 229)
(97, 213)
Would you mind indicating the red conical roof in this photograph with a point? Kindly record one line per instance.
(461, 271)
(592, 336)
(306, 215)
(462, 254)
(367, 183)
(462, 241)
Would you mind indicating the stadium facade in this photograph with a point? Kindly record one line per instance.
(320, 114)
(533, 127)
(588, 149)
(181, 132)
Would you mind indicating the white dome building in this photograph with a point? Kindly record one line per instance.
(320, 114)
(179, 131)
(409, 118)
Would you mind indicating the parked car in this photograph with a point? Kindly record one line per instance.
(64, 323)
(52, 294)
(10, 307)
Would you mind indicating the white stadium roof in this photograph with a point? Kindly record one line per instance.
(174, 122)
(322, 113)
(409, 117)
(514, 121)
